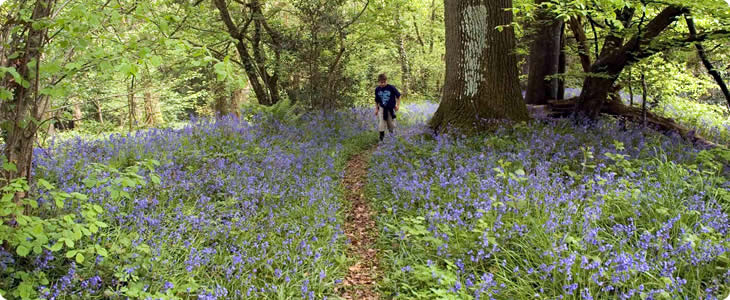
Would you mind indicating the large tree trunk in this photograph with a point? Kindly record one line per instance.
(481, 67)
(544, 58)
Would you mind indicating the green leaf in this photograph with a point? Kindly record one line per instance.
(80, 258)
(54, 92)
(37, 230)
(71, 253)
(8, 197)
(51, 67)
(56, 247)
(22, 220)
(155, 179)
(77, 235)
(220, 70)
(79, 196)
(45, 184)
(5, 94)
(22, 250)
(101, 251)
(73, 66)
(155, 60)
(15, 74)
(10, 167)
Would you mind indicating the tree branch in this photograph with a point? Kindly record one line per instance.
(367, 2)
(226, 18)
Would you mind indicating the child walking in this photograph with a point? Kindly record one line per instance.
(387, 102)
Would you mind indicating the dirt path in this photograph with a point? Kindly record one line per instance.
(361, 231)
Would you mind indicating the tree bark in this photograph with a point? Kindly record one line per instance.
(481, 66)
(151, 110)
(544, 58)
(24, 111)
(576, 25)
(405, 66)
(431, 37)
(78, 115)
(220, 105)
(562, 64)
(99, 114)
(705, 60)
(132, 105)
(644, 90)
(237, 99)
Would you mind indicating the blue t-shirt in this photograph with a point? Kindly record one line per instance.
(386, 96)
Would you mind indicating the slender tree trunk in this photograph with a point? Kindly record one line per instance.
(220, 105)
(26, 104)
(576, 25)
(132, 105)
(705, 60)
(405, 66)
(562, 65)
(78, 115)
(481, 66)
(237, 99)
(643, 99)
(47, 116)
(99, 114)
(403, 57)
(151, 110)
(431, 25)
(544, 58)
(51, 131)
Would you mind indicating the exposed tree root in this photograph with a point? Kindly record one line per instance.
(614, 107)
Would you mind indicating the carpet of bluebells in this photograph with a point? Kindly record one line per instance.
(220, 209)
(252, 208)
(551, 210)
